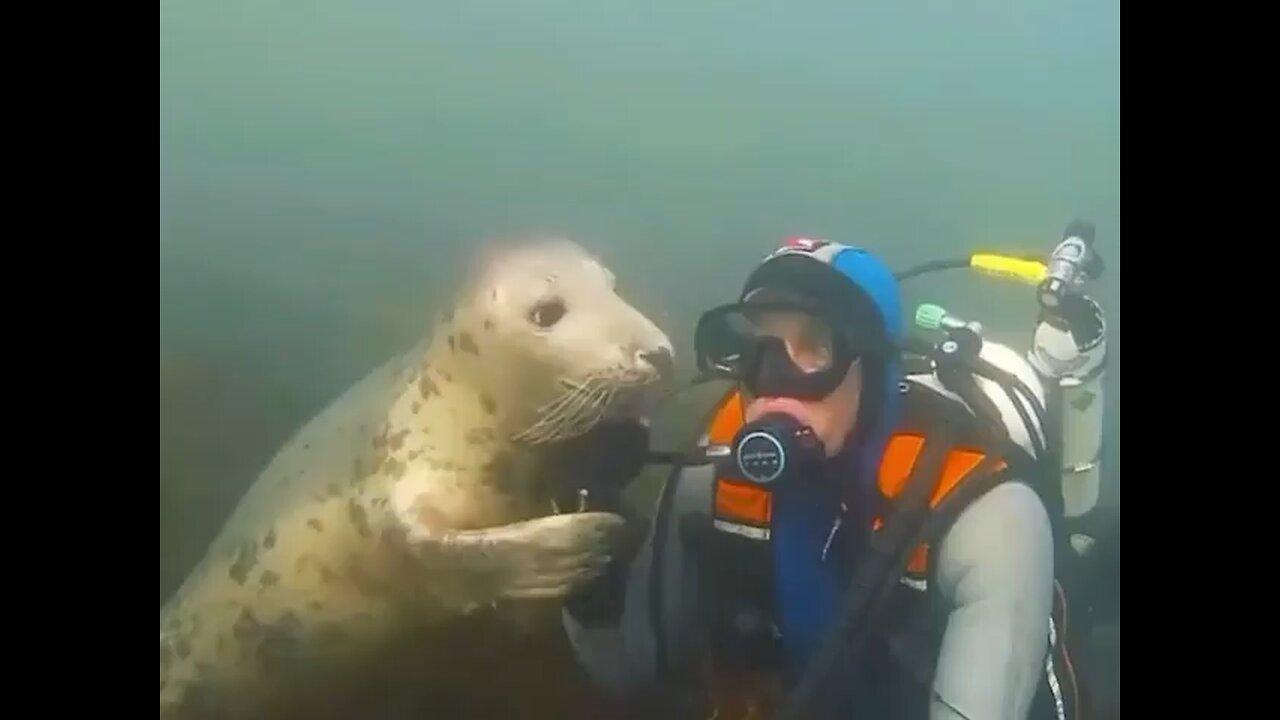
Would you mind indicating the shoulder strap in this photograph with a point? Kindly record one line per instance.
(920, 511)
(657, 570)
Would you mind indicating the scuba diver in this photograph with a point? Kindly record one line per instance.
(872, 525)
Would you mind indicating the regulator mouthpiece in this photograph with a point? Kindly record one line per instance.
(772, 448)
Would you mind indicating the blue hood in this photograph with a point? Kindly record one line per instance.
(874, 278)
(810, 580)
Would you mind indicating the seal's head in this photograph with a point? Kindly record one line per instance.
(541, 326)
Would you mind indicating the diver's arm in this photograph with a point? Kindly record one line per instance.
(620, 654)
(996, 572)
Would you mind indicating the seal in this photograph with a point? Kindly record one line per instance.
(407, 517)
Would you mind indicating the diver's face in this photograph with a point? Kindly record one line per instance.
(809, 345)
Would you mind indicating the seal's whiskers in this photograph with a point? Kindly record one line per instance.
(572, 413)
(589, 412)
(533, 433)
(551, 414)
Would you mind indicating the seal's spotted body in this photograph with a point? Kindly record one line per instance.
(383, 535)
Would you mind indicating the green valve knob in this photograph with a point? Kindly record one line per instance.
(930, 316)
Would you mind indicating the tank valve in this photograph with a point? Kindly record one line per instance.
(1072, 263)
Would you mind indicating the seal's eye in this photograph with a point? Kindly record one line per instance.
(547, 312)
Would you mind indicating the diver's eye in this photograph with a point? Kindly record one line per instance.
(547, 312)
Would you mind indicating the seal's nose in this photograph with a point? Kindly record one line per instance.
(660, 359)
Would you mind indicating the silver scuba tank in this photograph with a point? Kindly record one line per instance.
(1069, 351)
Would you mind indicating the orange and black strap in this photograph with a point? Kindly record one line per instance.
(915, 516)
(882, 563)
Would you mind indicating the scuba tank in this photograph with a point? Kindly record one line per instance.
(1069, 350)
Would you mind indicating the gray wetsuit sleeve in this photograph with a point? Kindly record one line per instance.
(623, 657)
(995, 569)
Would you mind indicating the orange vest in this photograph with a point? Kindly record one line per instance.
(750, 506)
(747, 509)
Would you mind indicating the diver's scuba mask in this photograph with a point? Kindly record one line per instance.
(776, 348)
